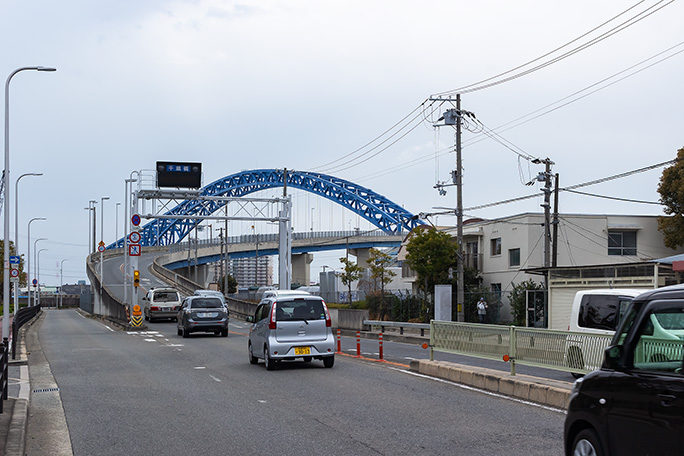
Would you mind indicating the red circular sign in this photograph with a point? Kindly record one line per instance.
(134, 237)
(135, 220)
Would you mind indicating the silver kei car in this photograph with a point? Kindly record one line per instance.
(202, 314)
(291, 327)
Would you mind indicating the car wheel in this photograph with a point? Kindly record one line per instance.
(180, 332)
(252, 359)
(224, 332)
(147, 318)
(186, 334)
(329, 361)
(268, 361)
(587, 443)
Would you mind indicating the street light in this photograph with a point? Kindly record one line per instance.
(35, 249)
(61, 281)
(16, 231)
(6, 183)
(28, 260)
(91, 206)
(116, 225)
(38, 271)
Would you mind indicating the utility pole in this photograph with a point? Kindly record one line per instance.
(554, 256)
(547, 212)
(454, 117)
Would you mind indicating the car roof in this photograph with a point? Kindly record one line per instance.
(670, 292)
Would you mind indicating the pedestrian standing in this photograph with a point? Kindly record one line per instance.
(482, 309)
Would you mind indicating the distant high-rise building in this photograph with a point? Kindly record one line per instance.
(252, 271)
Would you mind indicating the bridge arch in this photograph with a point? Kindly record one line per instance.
(378, 210)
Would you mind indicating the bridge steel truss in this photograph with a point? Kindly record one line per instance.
(378, 210)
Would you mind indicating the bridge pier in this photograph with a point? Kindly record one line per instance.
(362, 255)
(301, 269)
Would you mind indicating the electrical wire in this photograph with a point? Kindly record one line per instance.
(620, 27)
(616, 198)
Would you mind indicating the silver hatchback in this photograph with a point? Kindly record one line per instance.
(289, 327)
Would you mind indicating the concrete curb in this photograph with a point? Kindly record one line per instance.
(552, 393)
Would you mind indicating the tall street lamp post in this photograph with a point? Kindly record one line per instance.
(28, 260)
(35, 255)
(61, 281)
(101, 246)
(6, 272)
(16, 231)
(38, 271)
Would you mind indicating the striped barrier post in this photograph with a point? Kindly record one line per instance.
(339, 341)
(358, 343)
(380, 342)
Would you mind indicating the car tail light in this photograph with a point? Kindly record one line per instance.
(154, 308)
(328, 320)
(272, 323)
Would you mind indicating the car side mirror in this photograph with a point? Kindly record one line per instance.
(144, 298)
(612, 357)
(250, 319)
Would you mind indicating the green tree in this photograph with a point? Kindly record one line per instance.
(430, 254)
(232, 284)
(671, 191)
(379, 263)
(350, 273)
(518, 299)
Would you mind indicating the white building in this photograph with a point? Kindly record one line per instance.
(504, 250)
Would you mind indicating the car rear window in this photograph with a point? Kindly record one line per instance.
(166, 296)
(205, 303)
(300, 309)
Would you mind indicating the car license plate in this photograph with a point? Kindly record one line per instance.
(302, 350)
(165, 309)
(207, 314)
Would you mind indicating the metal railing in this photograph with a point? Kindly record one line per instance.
(4, 370)
(397, 324)
(567, 351)
(23, 316)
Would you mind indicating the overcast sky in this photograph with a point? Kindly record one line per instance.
(302, 83)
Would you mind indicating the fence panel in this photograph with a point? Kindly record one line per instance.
(560, 350)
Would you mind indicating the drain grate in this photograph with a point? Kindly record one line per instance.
(45, 390)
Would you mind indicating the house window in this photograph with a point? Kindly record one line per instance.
(496, 291)
(513, 257)
(495, 247)
(622, 242)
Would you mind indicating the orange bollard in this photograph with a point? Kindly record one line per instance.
(358, 343)
(339, 341)
(380, 341)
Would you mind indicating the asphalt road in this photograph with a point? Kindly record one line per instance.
(141, 393)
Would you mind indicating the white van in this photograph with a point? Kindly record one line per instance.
(273, 293)
(600, 311)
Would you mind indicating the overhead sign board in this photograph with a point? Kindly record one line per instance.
(179, 174)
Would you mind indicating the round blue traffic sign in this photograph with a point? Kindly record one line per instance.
(135, 220)
(35, 282)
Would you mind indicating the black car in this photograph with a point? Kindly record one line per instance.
(634, 404)
(202, 314)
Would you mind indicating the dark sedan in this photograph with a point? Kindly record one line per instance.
(202, 314)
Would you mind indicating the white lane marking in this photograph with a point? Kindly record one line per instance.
(150, 340)
(107, 327)
(199, 367)
(215, 378)
(472, 388)
(262, 402)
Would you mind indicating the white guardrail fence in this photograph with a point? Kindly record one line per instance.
(573, 352)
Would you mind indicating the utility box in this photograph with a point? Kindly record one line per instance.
(443, 302)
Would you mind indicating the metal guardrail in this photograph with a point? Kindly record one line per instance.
(4, 370)
(23, 316)
(397, 324)
(567, 351)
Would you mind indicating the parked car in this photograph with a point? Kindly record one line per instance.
(214, 293)
(202, 314)
(634, 404)
(291, 327)
(161, 303)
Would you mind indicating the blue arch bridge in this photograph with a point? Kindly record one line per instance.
(389, 218)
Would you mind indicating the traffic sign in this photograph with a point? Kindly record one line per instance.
(101, 248)
(15, 259)
(134, 237)
(135, 220)
(134, 249)
(14, 272)
(35, 282)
